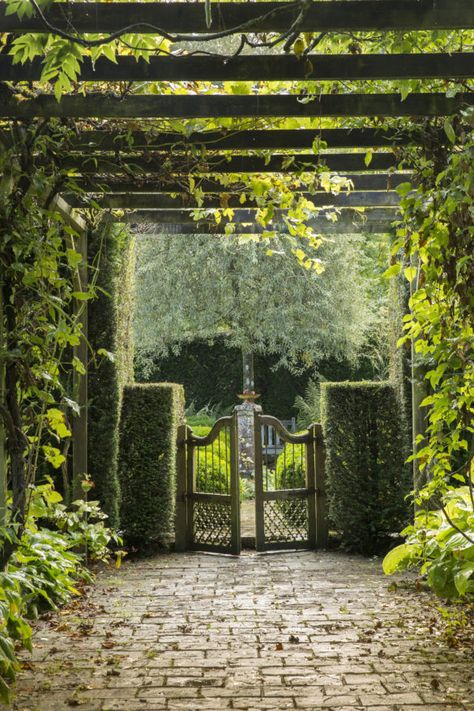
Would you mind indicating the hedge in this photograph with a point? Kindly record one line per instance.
(211, 372)
(111, 257)
(151, 414)
(367, 478)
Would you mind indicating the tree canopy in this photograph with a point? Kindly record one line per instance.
(256, 292)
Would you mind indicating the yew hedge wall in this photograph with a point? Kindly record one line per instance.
(150, 417)
(111, 260)
(367, 478)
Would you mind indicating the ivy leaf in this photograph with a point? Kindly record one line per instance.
(392, 271)
(410, 273)
(449, 130)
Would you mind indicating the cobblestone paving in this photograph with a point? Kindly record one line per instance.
(286, 631)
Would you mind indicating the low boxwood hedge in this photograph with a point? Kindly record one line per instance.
(151, 414)
(367, 478)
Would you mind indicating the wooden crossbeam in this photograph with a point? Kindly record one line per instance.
(95, 163)
(247, 216)
(244, 140)
(321, 225)
(96, 105)
(283, 67)
(164, 201)
(190, 17)
(143, 184)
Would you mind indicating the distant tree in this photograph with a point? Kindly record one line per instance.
(261, 294)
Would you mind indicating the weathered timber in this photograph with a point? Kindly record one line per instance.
(247, 216)
(97, 105)
(164, 201)
(145, 184)
(96, 163)
(320, 225)
(244, 140)
(190, 17)
(459, 65)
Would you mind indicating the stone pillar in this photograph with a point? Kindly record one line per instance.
(245, 437)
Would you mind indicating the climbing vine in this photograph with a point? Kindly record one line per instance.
(41, 307)
(435, 248)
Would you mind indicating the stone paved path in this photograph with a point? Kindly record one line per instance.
(286, 631)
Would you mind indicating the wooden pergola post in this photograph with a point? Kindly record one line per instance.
(80, 384)
(418, 394)
(3, 453)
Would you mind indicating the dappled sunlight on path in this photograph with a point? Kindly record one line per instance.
(284, 631)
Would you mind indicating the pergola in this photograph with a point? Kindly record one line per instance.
(127, 175)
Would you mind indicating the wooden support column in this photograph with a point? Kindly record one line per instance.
(418, 394)
(79, 422)
(3, 453)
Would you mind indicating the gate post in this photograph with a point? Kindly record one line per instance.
(234, 486)
(322, 527)
(181, 520)
(311, 483)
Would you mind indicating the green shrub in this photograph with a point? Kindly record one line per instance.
(290, 473)
(110, 336)
(212, 474)
(442, 548)
(367, 478)
(147, 461)
(46, 567)
(290, 470)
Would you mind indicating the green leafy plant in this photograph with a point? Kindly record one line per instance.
(290, 472)
(441, 543)
(47, 567)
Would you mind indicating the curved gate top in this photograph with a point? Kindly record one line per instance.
(277, 477)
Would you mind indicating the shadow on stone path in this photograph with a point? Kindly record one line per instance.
(284, 631)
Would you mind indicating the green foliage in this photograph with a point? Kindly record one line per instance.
(290, 473)
(434, 251)
(110, 336)
(46, 568)
(226, 288)
(212, 473)
(211, 372)
(309, 406)
(290, 470)
(367, 480)
(147, 461)
(436, 236)
(442, 544)
(41, 308)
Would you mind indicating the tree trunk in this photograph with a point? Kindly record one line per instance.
(248, 373)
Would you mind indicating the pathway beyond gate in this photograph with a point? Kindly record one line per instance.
(283, 631)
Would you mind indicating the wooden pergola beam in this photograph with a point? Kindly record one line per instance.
(143, 184)
(96, 163)
(284, 67)
(163, 201)
(336, 16)
(246, 215)
(97, 105)
(320, 225)
(115, 140)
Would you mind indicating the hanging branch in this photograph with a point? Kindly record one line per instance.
(301, 6)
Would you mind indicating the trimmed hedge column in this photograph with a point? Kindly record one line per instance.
(111, 256)
(367, 478)
(151, 414)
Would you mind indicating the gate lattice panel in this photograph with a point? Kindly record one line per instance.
(288, 486)
(208, 510)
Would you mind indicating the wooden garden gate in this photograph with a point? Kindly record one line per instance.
(289, 487)
(290, 511)
(208, 506)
